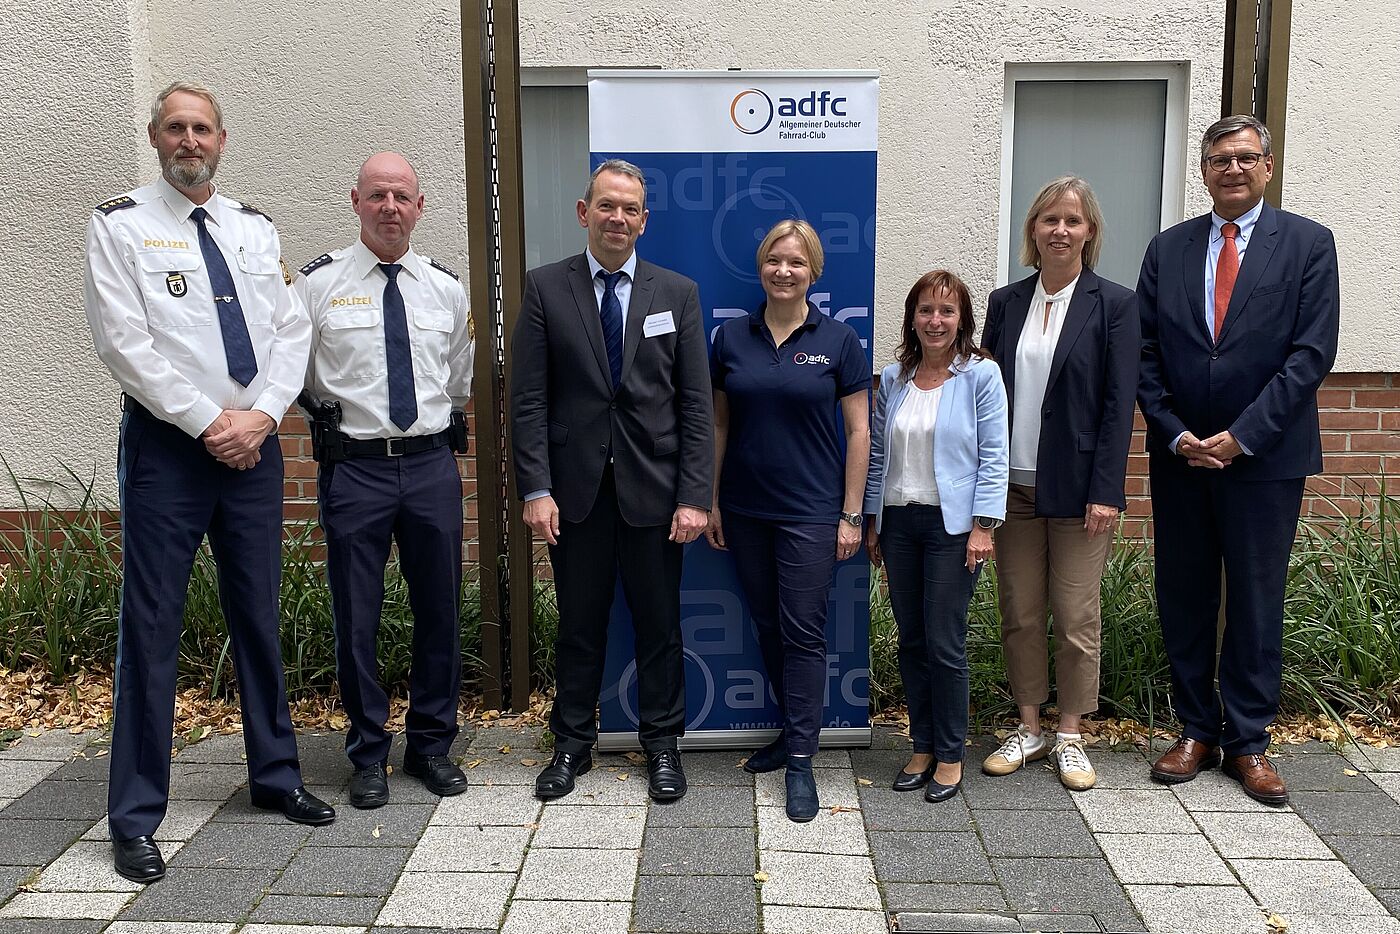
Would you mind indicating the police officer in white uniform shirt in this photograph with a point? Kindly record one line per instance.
(391, 368)
(191, 312)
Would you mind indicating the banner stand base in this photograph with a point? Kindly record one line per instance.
(847, 737)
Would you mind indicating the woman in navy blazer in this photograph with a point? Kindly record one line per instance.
(1068, 343)
(935, 489)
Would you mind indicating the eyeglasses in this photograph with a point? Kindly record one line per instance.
(1247, 161)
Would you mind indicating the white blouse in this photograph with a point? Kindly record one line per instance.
(1035, 351)
(909, 476)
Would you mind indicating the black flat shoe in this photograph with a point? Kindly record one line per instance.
(299, 806)
(665, 778)
(557, 779)
(936, 792)
(912, 781)
(439, 774)
(768, 759)
(369, 787)
(138, 859)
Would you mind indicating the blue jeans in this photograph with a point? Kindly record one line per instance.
(930, 588)
(785, 569)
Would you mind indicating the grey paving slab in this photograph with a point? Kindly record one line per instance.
(60, 801)
(497, 805)
(818, 880)
(301, 929)
(490, 738)
(1390, 898)
(835, 788)
(707, 806)
(696, 905)
(578, 875)
(322, 758)
(205, 781)
(201, 895)
(242, 846)
(942, 897)
(1315, 887)
(183, 819)
(1388, 782)
(605, 827)
(19, 775)
(1108, 810)
(391, 825)
(842, 832)
(1373, 758)
(396, 929)
(440, 899)
(48, 926)
(788, 919)
(171, 927)
(1359, 813)
(552, 917)
(37, 842)
(1341, 923)
(470, 849)
(1375, 859)
(220, 747)
(1035, 833)
(1212, 791)
(50, 745)
(492, 770)
(949, 922)
(1035, 787)
(87, 867)
(697, 851)
(90, 905)
(1194, 909)
(600, 786)
(716, 768)
(1121, 767)
(12, 877)
(929, 857)
(1270, 836)
(1320, 773)
(92, 763)
(1165, 859)
(884, 809)
(346, 910)
(338, 870)
(1061, 924)
(1067, 886)
(239, 808)
(878, 766)
(4, 802)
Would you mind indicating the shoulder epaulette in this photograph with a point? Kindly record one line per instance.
(323, 260)
(116, 204)
(436, 265)
(252, 210)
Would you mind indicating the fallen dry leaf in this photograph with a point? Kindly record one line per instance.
(505, 750)
(864, 781)
(760, 877)
(530, 763)
(474, 763)
(1276, 922)
(842, 809)
(1351, 772)
(377, 831)
(622, 776)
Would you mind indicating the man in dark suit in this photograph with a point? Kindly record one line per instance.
(1239, 324)
(613, 436)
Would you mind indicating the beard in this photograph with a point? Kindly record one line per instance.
(183, 175)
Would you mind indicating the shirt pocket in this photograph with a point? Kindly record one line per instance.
(433, 339)
(351, 344)
(176, 289)
(262, 271)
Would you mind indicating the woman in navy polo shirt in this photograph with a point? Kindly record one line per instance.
(792, 441)
(937, 488)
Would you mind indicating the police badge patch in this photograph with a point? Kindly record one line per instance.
(177, 286)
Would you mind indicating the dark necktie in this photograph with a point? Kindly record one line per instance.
(403, 401)
(611, 313)
(1227, 270)
(238, 347)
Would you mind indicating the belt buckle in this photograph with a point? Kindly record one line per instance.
(389, 447)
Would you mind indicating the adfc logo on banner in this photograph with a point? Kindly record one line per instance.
(751, 110)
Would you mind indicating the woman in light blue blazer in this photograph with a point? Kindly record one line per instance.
(935, 490)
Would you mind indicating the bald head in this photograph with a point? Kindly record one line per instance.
(388, 201)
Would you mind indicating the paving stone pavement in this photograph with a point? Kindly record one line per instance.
(1017, 853)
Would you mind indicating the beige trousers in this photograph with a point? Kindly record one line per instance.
(1050, 565)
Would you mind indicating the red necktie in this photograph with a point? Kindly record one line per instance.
(1227, 270)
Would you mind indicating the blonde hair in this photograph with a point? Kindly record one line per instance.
(189, 87)
(1088, 204)
(805, 234)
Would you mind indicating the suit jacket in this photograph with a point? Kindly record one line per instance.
(566, 416)
(1086, 421)
(969, 444)
(1277, 343)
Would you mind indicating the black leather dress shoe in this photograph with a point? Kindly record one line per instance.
(439, 774)
(912, 781)
(300, 807)
(665, 778)
(557, 779)
(138, 859)
(936, 792)
(369, 787)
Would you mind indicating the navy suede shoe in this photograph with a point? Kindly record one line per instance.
(802, 802)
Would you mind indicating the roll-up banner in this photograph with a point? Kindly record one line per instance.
(728, 154)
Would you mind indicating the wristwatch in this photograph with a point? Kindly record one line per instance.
(854, 518)
(988, 523)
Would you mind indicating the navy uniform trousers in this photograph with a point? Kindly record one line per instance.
(416, 501)
(1202, 517)
(173, 492)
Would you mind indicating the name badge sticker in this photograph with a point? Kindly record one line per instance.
(660, 323)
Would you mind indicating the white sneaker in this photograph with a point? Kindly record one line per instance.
(1072, 762)
(1020, 747)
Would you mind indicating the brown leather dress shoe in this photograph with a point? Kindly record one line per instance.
(1184, 761)
(1257, 776)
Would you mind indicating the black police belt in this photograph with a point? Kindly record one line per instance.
(346, 448)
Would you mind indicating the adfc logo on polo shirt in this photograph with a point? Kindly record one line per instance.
(820, 358)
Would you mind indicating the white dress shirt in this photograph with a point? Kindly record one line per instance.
(909, 476)
(345, 297)
(1035, 352)
(623, 289)
(1246, 222)
(151, 308)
